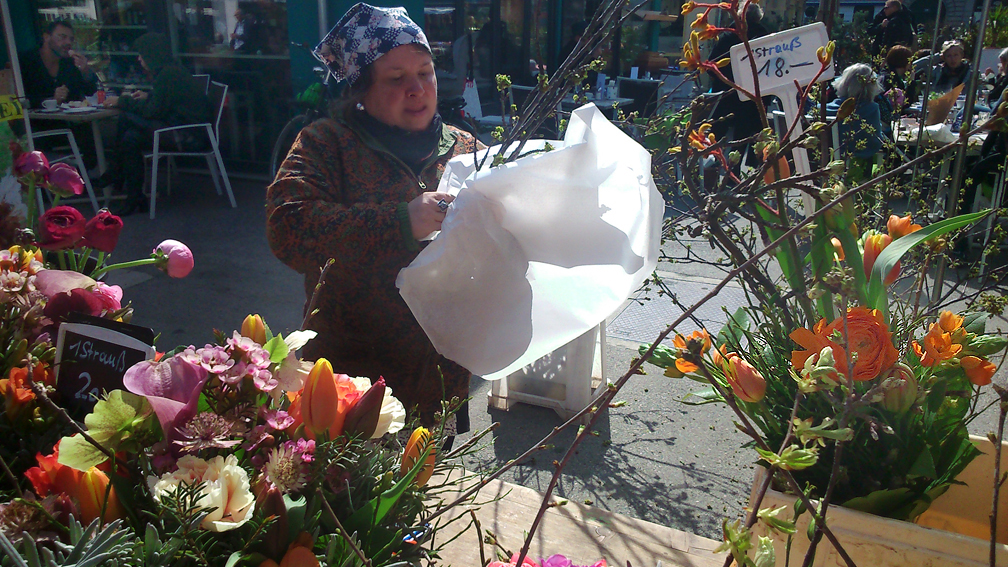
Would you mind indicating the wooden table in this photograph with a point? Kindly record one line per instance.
(79, 117)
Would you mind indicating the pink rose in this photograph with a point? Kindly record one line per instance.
(109, 295)
(64, 180)
(174, 258)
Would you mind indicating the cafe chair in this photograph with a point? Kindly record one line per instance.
(74, 157)
(218, 94)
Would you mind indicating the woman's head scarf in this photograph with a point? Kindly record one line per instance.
(364, 34)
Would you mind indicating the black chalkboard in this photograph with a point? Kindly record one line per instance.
(92, 359)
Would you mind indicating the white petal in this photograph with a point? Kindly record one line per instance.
(298, 339)
(393, 415)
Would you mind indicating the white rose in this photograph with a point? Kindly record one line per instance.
(190, 471)
(393, 415)
(227, 490)
(362, 383)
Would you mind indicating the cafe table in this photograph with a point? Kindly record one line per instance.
(81, 115)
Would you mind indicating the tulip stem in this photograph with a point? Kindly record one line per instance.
(131, 264)
(32, 205)
(343, 532)
(10, 476)
(61, 258)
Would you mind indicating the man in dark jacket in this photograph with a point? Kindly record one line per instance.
(175, 99)
(892, 26)
(55, 70)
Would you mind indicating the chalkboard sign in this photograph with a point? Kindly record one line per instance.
(92, 359)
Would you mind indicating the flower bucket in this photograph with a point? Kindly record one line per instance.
(952, 533)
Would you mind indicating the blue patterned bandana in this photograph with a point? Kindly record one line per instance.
(364, 34)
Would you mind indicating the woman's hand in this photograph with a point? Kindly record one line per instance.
(140, 95)
(425, 215)
(110, 101)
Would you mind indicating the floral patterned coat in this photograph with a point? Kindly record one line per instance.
(339, 194)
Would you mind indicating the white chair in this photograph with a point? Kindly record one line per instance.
(74, 155)
(218, 94)
(203, 80)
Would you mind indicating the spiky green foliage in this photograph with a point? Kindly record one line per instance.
(87, 547)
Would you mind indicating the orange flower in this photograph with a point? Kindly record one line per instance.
(874, 244)
(299, 554)
(680, 343)
(937, 347)
(88, 488)
(701, 138)
(746, 382)
(838, 248)
(870, 343)
(949, 321)
(979, 370)
(417, 444)
(16, 391)
(325, 400)
(899, 227)
(254, 328)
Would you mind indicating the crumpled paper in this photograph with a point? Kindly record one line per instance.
(536, 252)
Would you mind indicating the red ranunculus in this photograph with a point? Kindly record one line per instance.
(60, 228)
(31, 163)
(102, 231)
(77, 301)
(64, 180)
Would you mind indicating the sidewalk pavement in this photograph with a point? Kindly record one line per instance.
(654, 458)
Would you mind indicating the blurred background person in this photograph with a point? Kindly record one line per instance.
(954, 69)
(892, 26)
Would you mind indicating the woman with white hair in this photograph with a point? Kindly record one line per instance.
(1000, 80)
(860, 133)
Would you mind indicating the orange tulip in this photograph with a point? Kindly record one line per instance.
(254, 328)
(418, 442)
(299, 554)
(785, 170)
(325, 400)
(874, 244)
(838, 248)
(979, 370)
(88, 488)
(899, 227)
(746, 382)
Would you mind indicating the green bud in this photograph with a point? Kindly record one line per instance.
(986, 345)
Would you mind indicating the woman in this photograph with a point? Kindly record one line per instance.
(896, 75)
(860, 133)
(359, 188)
(1000, 80)
(176, 98)
(953, 71)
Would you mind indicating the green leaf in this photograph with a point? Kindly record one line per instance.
(924, 466)
(662, 356)
(277, 349)
(110, 423)
(791, 458)
(888, 258)
(853, 258)
(765, 555)
(233, 559)
(707, 396)
(735, 327)
(376, 509)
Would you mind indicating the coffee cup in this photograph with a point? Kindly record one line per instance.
(49, 104)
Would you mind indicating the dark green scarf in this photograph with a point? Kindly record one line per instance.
(413, 148)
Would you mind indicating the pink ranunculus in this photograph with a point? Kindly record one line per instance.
(109, 295)
(31, 163)
(63, 180)
(102, 231)
(178, 259)
(60, 228)
(171, 386)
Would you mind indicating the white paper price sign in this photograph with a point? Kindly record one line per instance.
(782, 59)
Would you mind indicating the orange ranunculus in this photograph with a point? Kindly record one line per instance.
(254, 328)
(874, 244)
(746, 382)
(979, 370)
(15, 390)
(949, 321)
(838, 248)
(680, 343)
(417, 444)
(899, 227)
(325, 400)
(869, 341)
(88, 488)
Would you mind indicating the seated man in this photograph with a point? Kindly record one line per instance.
(55, 70)
(175, 99)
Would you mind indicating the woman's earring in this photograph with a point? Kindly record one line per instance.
(360, 106)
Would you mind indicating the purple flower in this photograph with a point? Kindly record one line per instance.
(171, 386)
(31, 163)
(304, 447)
(214, 359)
(263, 379)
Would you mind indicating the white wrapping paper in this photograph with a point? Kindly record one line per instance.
(534, 253)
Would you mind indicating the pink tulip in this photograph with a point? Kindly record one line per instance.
(64, 180)
(178, 259)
